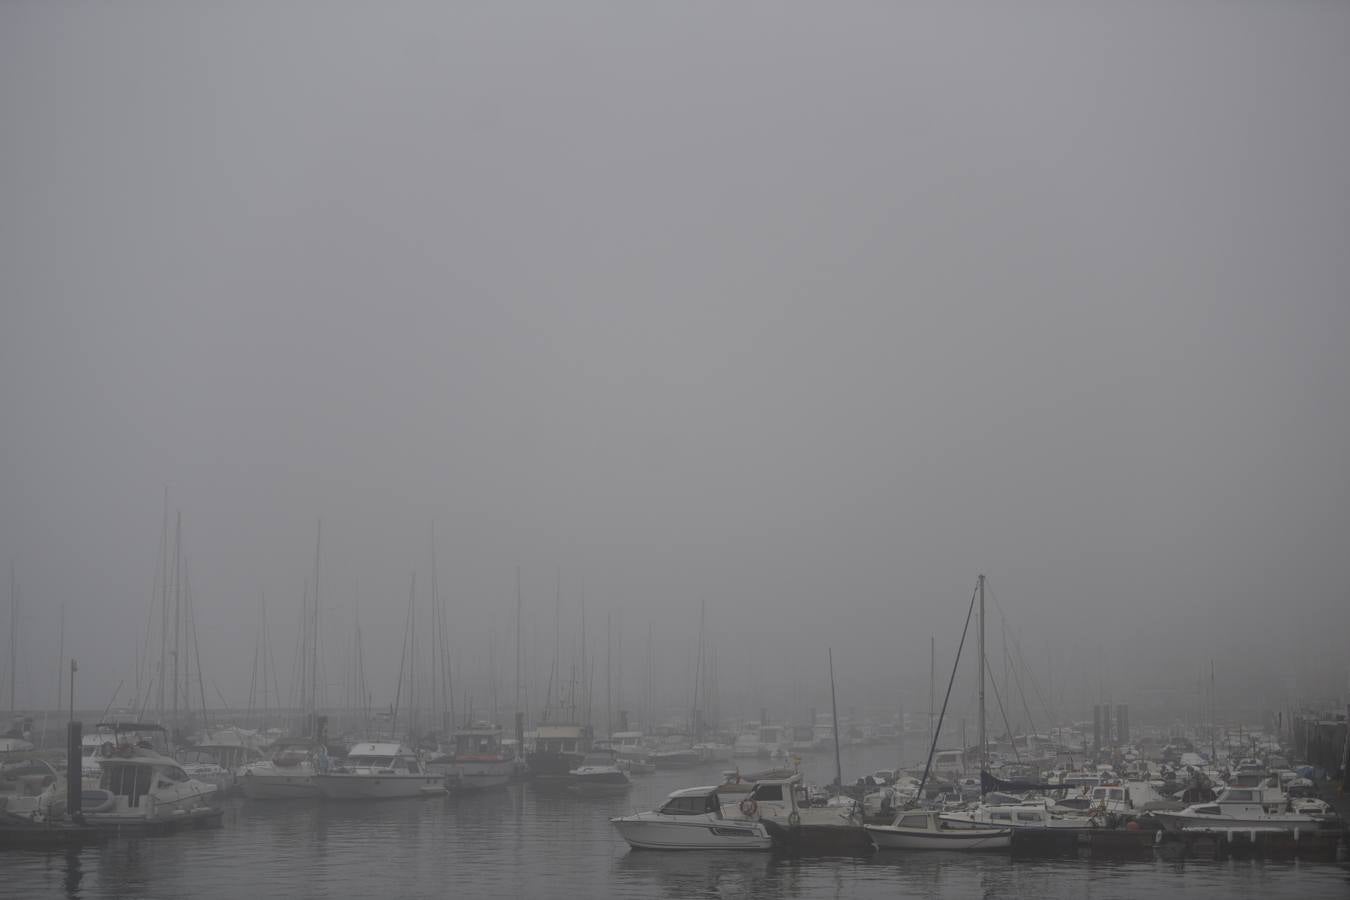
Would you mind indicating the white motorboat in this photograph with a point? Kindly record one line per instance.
(691, 819)
(378, 771)
(141, 787)
(925, 830)
(218, 764)
(1027, 816)
(1239, 808)
(287, 775)
(31, 786)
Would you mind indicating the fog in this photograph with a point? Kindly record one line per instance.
(804, 313)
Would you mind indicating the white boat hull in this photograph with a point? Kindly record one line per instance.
(889, 837)
(1289, 822)
(278, 786)
(482, 776)
(378, 787)
(649, 834)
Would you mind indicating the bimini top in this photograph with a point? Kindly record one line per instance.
(703, 791)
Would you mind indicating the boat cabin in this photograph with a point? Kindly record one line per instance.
(483, 739)
(695, 801)
(131, 777)
(627, 741)
(949, 762)
(559, 739)
(383, 756)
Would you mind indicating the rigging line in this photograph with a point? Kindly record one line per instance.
(1004, 712)
(1031, 676)
(1017, 647)
(927, 766)
(1017, 680)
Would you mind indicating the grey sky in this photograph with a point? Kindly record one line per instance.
(812, 311)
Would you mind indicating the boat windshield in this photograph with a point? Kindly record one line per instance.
(692, 806)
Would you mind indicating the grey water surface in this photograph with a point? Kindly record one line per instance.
(523, 842)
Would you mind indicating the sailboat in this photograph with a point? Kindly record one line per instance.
(917, 829)
(559, 747)
(290, 771)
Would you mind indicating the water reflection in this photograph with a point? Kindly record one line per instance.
(74, 874)
(694, 873)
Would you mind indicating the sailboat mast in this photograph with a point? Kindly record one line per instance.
(13, 633)
(932, 677)
(177, 606)
(163, 601)
(834, 714)
(520, 707)
(314, 639)
(984, 762)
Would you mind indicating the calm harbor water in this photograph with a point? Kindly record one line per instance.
(519, 842)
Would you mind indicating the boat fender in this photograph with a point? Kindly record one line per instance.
(749, 807)
(794, 818)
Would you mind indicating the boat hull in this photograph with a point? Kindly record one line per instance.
(648, 834)
(378, 787)
(483, 775)
(1179, 822)
(257, 786)
(889, 837)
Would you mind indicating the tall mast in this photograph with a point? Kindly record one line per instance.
(984, 762)
(520, 706)
(177, 606)
(585, 666)
(932, 677)
(13, 634)
(609, 678)
(314, 639)
(163, 601)
(834, 713)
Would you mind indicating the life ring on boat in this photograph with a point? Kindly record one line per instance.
(794, 818)
(749, 807)
(107, 749)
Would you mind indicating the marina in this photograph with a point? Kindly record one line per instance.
(519, 841)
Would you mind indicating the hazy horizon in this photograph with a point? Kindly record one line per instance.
(807, 313)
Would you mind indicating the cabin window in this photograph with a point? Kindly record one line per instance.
(1207, 811)
(684, 806)
(914, 822)
(1240, 796)
(569, 746)
(769, 792)
(1000, 817)
(1028, 817)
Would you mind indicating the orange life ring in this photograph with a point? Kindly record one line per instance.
(749, 807)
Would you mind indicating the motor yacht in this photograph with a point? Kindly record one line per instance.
(377, 770)
(691, 819)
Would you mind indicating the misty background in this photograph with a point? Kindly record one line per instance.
(808, 312)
